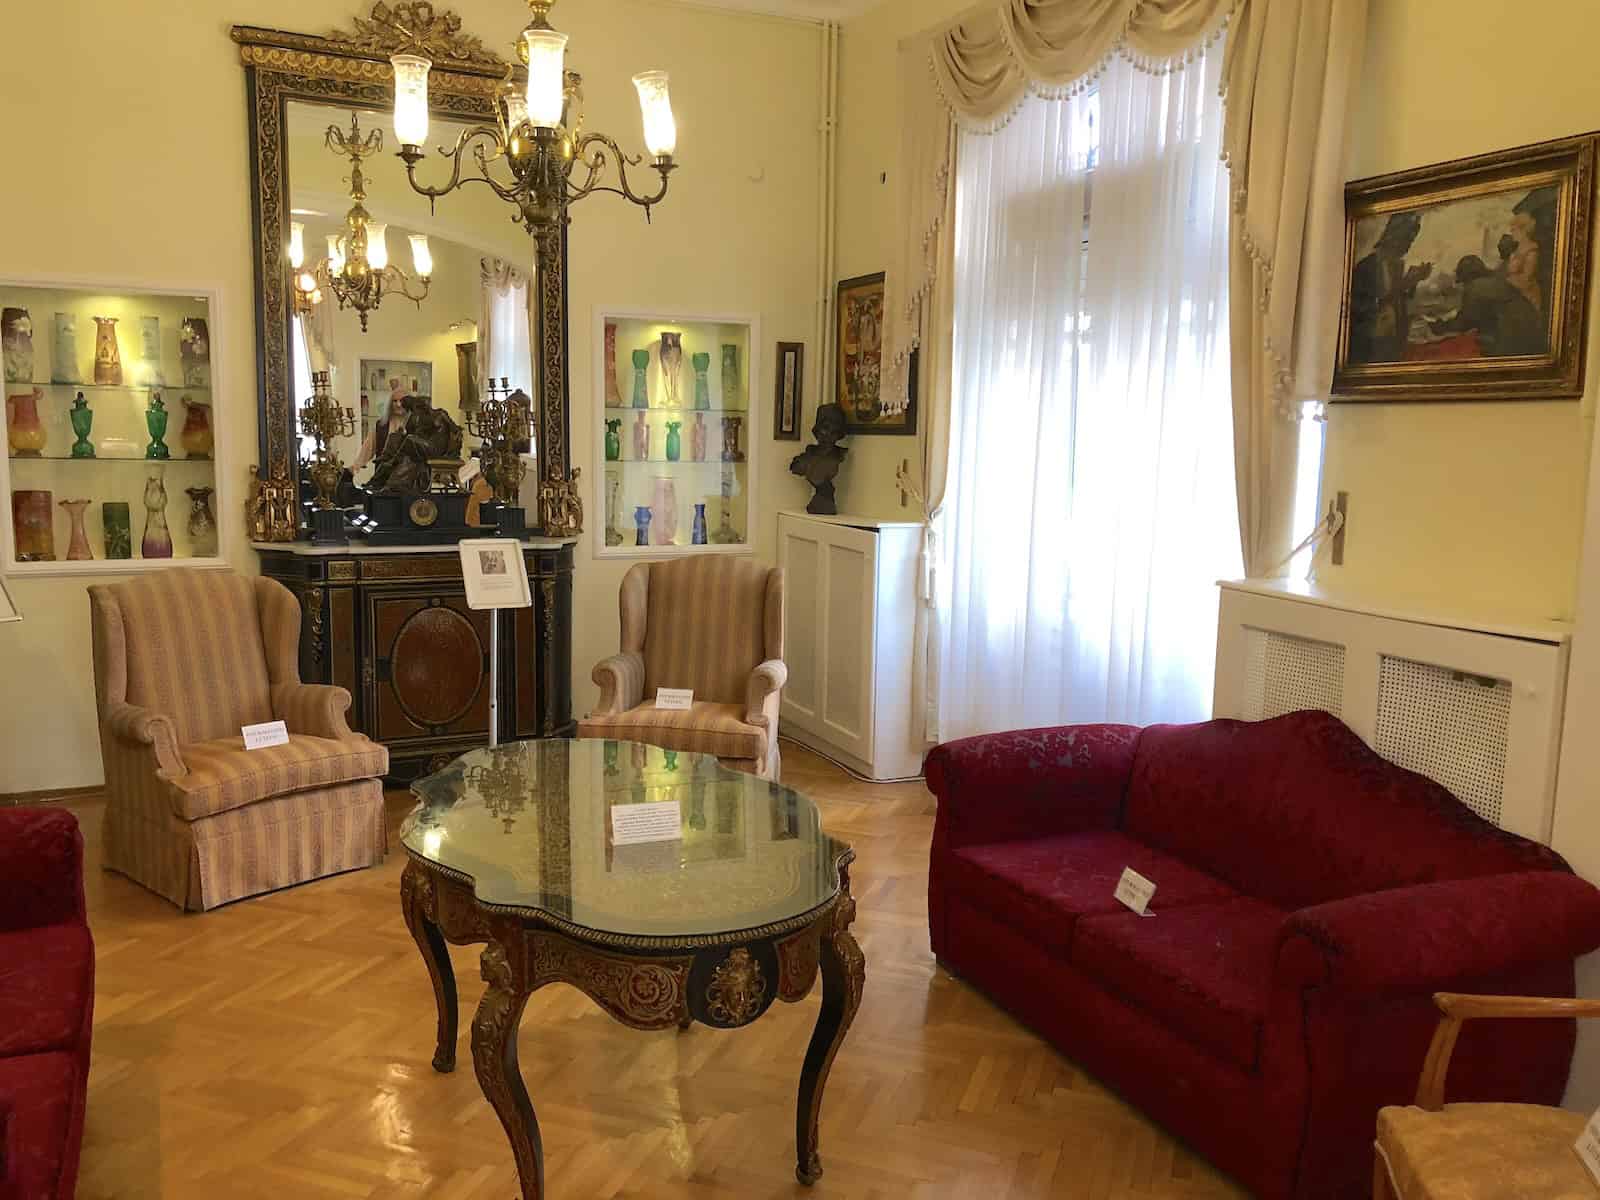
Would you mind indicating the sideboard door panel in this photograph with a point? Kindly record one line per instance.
(432, 677)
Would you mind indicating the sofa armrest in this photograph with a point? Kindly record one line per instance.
(41, 867)
(621, 682)
(761, 696)
(141, 727)
(313, 709)
(1029, 783)
(1430, 936)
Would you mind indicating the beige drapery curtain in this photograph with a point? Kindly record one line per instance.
(1288, 73)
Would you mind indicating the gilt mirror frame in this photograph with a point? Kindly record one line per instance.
(351, 68)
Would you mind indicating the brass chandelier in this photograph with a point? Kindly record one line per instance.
(550, 162)
(357, 269)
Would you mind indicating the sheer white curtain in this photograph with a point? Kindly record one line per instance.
(1090, 507)
(503, 331)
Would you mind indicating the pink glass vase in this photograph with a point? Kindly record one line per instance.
(666, 511)
(78, 546)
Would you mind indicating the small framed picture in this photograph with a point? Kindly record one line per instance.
(495, 574)
(788, 391)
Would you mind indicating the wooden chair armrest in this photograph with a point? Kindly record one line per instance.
(1458, 1007)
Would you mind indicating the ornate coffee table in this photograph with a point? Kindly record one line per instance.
(741, 903)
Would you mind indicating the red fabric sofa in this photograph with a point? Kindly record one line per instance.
(46, 1003)
(1310, 898)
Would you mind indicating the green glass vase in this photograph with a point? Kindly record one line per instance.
(674, 441)
(115, 520)
(155, 420)
(614, 440)
(82, 418)
(702, 387)
(641, 395)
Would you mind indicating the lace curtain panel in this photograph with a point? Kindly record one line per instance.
(1090, 504)
(1286, 79)
(504, 327)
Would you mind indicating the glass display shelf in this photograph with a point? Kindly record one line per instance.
(100, 457)
(699, 372)
(111, 387)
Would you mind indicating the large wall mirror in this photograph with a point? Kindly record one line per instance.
(311, 99)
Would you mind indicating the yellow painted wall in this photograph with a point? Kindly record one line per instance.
(1478, 503)
(154, 95)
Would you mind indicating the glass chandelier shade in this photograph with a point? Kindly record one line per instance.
(377, 245)
(411, 98)
(421, 256)
(516, 109)
(547, 75)
(297, 244)
(335, 254)
(655, 105)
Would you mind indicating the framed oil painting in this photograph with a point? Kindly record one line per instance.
(788, 391)
(1469, 280)
(858, 316)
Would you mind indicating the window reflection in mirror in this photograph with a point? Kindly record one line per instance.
(469, 329)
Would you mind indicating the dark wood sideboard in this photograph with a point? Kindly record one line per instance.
(393, 627)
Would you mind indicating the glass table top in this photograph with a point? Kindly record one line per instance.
(535, 825)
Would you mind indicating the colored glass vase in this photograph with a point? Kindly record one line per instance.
(16, 344)
(613, 501)
(697, 438)
(78, 544)
(117, 527)
(155, 420)
(24, 431)
(614, 440)
(641, 525)
(64, 349)
(32, 523)
(641, 438)
(194, 352)
(613, 396)
(641, 394)
(666, 511)
(107, 355)
(732, 382)
(150, 373)
(82, 418)
(730, 439)
(674, 441)
(671, 365)
(202, 523)
(157, 542)
(698, 535)
(196, 438)
(702, 386)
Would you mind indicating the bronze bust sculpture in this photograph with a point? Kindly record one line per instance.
(819, 463)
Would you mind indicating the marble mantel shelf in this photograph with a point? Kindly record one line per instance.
(356, 547)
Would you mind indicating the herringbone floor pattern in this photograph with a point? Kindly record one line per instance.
(279, 1048)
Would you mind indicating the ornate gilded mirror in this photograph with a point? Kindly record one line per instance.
(324, 161)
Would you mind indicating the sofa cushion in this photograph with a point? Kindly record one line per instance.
(702, 728)
(1299, 811)
(1042, 887)
(41, 1091)
(46, 982)
(223, 775)
(1203, 970)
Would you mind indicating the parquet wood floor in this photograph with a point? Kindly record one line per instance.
(280, 1048)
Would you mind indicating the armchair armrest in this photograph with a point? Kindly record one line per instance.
(41, 867)
(1458, 1008)
(762, 694)
(1029, 783)
(141, 727)
(313, 709)
(621, 682)
(1433, 935)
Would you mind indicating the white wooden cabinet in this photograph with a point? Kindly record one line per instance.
(852, 603)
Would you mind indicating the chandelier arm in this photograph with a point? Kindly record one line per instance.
(453, 155)
(602, 142)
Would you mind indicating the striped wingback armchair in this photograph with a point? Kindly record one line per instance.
(182, 660)
(711, 624)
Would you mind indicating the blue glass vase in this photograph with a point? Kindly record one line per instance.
(641, 523)
(698, 536)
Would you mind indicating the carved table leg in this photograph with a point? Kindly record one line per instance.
(844, 971)
(494, 1055)
(416, 898)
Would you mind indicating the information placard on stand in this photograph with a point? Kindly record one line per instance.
(496, 577)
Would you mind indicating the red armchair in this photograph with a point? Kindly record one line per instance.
(46, 1003)
(1311, 897)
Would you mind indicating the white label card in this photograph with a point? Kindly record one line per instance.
(1134, 890)
(1588, 1146)
(675, 698)
(270, 733)
(658, 822)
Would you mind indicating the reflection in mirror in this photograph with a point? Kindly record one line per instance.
(470, 327)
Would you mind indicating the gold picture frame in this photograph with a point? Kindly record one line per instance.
(1469, 280)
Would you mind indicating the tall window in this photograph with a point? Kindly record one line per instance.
(1090, 509)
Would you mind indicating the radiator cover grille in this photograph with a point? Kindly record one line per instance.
(1284, 674)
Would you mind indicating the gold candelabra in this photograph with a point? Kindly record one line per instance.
(501, 422)
(357, 269)
(323, 419)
